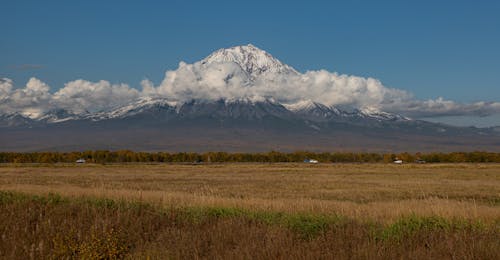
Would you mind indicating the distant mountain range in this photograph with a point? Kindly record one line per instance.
(245, 124)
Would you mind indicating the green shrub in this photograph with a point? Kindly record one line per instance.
(412, 225)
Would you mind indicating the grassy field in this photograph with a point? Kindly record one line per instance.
(365, 211)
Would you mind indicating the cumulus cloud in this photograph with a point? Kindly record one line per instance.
(81, 96)
(5, 88)
(32, 100)
(226, 79)
(77, 96)
(209, 82)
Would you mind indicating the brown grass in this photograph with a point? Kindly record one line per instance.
(375, 191)
(370, 198)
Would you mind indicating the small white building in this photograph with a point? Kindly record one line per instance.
(81, 160)
(310, 161)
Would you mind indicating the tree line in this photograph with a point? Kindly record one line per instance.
(127, 156)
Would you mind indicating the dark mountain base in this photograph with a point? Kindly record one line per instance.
(234, 138)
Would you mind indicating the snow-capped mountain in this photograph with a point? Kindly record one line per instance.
(237, 123)
(244, 108)
(251, 59)
(253, 62)
(164, 109)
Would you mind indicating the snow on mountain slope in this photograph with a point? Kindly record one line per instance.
(139, 106)
(249, 108)
(313, 109)
(60, 115)
(251, 59)
(380, 115)
(240, 108)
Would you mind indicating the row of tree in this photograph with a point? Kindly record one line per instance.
(125, 156)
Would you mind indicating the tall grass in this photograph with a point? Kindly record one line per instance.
(53, 226)
(371, 191)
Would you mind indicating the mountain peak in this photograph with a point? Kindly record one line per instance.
(251, 59)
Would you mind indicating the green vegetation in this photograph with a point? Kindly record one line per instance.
(273, 156)
(413, 224)
(306, 225)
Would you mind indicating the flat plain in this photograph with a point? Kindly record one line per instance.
(250, 210)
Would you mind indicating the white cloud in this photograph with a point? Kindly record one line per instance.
(148, 88)
(32, 100)
(209, 82)
(223, 79)
(227, 80)
(77, 96)
(441, 107)
(81, 95)
(5, 88)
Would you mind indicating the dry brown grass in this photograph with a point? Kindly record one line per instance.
(53, 227)
(251, 211)
(377, 192)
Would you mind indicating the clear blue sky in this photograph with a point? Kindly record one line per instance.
(430, 48)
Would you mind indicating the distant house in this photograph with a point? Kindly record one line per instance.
(81, 160)
(310, 161)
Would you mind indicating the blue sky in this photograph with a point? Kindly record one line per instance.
(429, 48)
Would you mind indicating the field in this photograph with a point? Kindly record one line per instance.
(367, 211)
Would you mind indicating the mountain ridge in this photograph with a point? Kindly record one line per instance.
(237, 123)
(301, 109)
